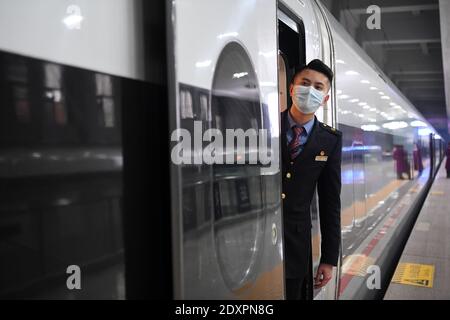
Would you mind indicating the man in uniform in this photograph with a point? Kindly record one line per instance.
(311, 153)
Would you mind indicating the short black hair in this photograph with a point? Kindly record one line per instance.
(316, 65)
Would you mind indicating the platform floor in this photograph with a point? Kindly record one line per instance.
(423, 272)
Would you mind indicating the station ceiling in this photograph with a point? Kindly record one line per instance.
(408, 47)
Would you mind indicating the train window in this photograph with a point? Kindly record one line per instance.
(238, 205)
(54, 98)
(103, 85)
(291, 38)
(104, 89)
(21, 104)
(16, 70)
(59, 112)
(53, 185)
(54, 107)
(205, 111)
(186, 107)
(17, 76)
(235, 94)
(108, 112)
(52, 75)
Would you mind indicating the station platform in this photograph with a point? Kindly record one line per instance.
(423, 272)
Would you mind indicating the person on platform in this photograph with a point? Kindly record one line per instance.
(417, 155)
(401, 163)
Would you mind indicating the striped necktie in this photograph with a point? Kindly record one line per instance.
(294, 145)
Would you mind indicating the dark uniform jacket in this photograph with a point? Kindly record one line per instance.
(318, 164)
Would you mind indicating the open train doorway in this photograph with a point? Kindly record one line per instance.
(297, 47)
(291, 52)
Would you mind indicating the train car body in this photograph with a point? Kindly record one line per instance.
(370, 111)
(94, 99)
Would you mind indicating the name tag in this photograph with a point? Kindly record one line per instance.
(321, 158)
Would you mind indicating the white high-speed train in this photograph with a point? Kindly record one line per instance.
(91, 93)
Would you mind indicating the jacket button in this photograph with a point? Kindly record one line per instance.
(283, 196)
(288, 175)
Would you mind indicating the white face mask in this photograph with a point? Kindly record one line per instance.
(307, 99)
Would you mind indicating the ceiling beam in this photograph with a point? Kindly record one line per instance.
(431, 97)
(424, 47)
(405, 31)
(414, 47)
(400, 42)
(421, 80)
(418, 72)
(444, 10)
(396, 9)
(423, 86)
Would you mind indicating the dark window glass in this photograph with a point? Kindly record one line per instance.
(238, 203)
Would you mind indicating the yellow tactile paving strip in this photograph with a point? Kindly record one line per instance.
(357, 264)
(423, 271)
(421, 275)
(268, 286)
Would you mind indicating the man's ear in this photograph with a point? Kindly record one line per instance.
(325, 100)
(291, 88)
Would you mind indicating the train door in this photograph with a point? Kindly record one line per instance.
(226, 209)
(327, 114)
(300, 43)
(291, 52)
(291, 55)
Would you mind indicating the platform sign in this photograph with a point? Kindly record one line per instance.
(413, 274)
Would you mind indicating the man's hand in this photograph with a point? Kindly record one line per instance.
(324, 274)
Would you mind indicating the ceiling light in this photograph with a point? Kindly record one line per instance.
(395, 125)
(370, 127)
(418, 123)
(240, 75)
(424, 131)
(203, 64)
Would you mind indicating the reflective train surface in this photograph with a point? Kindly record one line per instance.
(91, 98)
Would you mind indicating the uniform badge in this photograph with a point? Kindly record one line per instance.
(322, 156)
